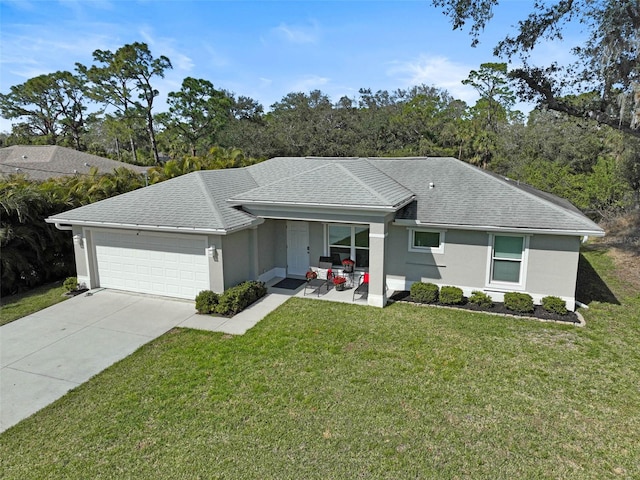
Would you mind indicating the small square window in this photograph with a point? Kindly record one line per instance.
(426, 241)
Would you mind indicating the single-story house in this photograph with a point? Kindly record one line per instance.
(41, 162)
(403, 220)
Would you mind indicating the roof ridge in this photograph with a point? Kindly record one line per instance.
(505, 181)
(209, 197)
(367, 187)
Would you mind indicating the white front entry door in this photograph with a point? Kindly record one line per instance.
(297, 248)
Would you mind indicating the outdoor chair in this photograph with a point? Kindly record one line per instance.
(363, 287)
(322, 279)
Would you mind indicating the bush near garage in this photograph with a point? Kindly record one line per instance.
(206, 301)
(422, 292)
(236, 299)
(518, 302)
(554, 305)
(451, 295)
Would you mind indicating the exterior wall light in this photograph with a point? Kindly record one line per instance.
(77, 240)
(211, 251)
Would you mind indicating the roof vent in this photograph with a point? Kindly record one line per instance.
(86, 164)
(431, 185)
(24, 156)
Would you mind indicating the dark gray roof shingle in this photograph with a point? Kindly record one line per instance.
(196, 201)
(40, 162)
(436, 191)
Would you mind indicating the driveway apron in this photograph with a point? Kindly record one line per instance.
(44, 355)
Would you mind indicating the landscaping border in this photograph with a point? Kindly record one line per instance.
(578, 322)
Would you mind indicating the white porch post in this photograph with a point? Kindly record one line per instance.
(377, 271)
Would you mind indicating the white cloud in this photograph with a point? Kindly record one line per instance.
(437, 71)
(307, 83)
(298, 33)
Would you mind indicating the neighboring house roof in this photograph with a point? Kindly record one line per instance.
(439, 192)
(40, 162)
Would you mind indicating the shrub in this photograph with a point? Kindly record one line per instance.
(481, 299)
(554, 305)
(518, 302)
(70, 284)
(236, 299)
(451, 295)
(424, 292)
(206, 301)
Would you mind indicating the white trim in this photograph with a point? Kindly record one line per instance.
(352, 247)
(494, 228)
(153, 228)
(377, 235)
(275, 272)
(411, 237)
(499, 286)
(376, 300)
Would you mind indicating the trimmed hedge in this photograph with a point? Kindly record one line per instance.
(232, 301)
(207, 301)
(451, 295)
(518, 302)
(236, 299)
(554, 305)
(424, 292)
(481, 299)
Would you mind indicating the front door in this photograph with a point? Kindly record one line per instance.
(297, 248)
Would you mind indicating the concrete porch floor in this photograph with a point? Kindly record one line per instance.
(332, 295)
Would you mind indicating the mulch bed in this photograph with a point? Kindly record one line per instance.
(497, 308)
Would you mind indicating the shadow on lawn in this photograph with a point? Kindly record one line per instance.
(590, 286)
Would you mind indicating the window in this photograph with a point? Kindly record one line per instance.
(507, 259)
(426, 241)
(346, 241)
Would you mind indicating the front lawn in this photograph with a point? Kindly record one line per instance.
(23, 304)
(331, 391)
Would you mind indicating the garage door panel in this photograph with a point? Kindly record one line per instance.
(160, 265)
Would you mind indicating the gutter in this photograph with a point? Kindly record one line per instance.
(68, 225)
(331, 206)
(493, 228)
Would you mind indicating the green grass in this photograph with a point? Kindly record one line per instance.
(20, 305)
(330, 391)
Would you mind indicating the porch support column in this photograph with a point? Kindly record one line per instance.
(377, 271)
(253, 253)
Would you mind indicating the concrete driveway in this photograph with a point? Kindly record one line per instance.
(44, 355)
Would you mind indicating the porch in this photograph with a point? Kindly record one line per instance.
(331, 294)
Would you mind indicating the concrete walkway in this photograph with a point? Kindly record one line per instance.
(46, 354)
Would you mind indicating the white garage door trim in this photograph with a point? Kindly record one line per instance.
(170, 265)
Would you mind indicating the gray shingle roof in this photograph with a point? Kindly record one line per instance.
(462, 195)
(349, 183)
(40, 162)
(196, 201)
(468, 196)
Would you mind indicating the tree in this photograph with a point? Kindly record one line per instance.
(53, 106)
(117, 79)
(496, 98)
(197, 112)
(608, 65)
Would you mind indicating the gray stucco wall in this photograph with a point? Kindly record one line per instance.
(272, 242)
(552, 264)
(462, 263)
(237, 257)
(82, 269)
(316, 242)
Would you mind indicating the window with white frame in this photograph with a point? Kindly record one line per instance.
(426, 241)
(508, 255)
(349, 241)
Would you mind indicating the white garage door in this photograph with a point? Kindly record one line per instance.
(167, 265)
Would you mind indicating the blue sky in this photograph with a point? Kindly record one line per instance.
(263, 50)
